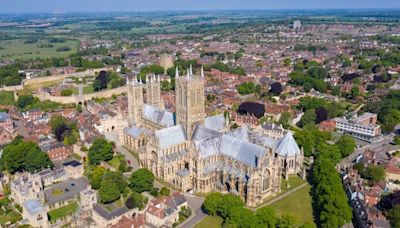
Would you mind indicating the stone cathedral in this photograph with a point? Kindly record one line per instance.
(201, 154)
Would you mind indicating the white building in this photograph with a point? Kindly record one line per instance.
(363, 127)
(297, 24)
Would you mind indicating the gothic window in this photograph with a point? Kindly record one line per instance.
(266, 180)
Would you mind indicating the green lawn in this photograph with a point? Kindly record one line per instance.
(293, 182)
(7, 98)
(11, 216)
(210, 222)
(62, 211)
(57, 192)
(297, 204)
(116, 161)
(88, 89)
(17, 49)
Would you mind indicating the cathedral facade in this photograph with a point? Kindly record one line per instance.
(201, 154)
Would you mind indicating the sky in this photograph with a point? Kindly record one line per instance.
(27, 6)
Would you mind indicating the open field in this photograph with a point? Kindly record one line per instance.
(210, 222)
(7, 98)
(298, 205)
(17, 49)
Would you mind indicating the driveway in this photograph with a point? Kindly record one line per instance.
(194, 203)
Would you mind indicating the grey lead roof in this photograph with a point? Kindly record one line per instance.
(288, 146)
(216, 122)
(134, 131)
(242, 150)
(158, 116)
(170, 136)
(240, 133)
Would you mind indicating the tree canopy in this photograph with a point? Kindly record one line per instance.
(24, 156)
(346, 145)
(112, 186)
(101, 150)
(141, 180)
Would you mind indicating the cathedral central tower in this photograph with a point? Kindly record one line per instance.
(189, 97)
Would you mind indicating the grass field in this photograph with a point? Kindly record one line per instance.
(298, 205)
(210, 222)
(35, 86)
(88, 89)
(17, 49)
(62, 211)
(7, 98)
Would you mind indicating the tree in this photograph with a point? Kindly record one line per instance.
(96, 176)
(396, 140)
(165, 191)
(21, 156)
(242, 218)
(276, 88)
(229, 202)
(285, 119)
(394, 216)
(391, 119)
(248, 88)
(321, 115)
(141, 180)
(266, 217)
(101, 150)
(355, 92)
(212, 202)
(25, 100)
(346, 145)
(375, 173)
(64, 130)
(112, 186)
(308, 118)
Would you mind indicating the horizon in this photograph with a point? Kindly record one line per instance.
(102, 6)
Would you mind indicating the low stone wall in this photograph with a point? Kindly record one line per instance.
(43, 96)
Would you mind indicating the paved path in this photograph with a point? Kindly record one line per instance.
(280, 196)
(195, 204)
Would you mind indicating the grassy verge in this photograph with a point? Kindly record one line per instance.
(298, 205)
(7, 98)
(210, 222)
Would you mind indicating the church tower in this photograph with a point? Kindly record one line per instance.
(135, 101)
(189, 97)
(153, 90)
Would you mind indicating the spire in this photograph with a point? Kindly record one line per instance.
(176, 73)
(158, 78)
(153, 78)
(187, 73)
(191, 70)
(147, 78)
(202, 72)
(127, 80)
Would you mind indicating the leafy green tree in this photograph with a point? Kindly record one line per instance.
(248, 88)
(346, 145)
(242, 218)
(394, 216)
(96, 176)
(141, 180)
(396, 140)
(391, 119)
(355, 92)
(374, 173)
(266, 217)
(165, 191)
(331, 200)
(308, 118)
(101, 150)
(212, 202)
(25, 100)
(21, 156)
(285, 119)
(112, 186)
(228, 203)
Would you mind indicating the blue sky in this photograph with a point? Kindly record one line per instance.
(23, 6)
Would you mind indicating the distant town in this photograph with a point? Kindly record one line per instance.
(286, 118)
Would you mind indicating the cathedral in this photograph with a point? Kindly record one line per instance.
(201, 154)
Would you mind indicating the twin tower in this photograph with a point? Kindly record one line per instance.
(189, 99)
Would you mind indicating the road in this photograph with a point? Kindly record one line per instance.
(113, 136)
(381, 148)
(194, 203)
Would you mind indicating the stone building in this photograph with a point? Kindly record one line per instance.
(200, 154)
